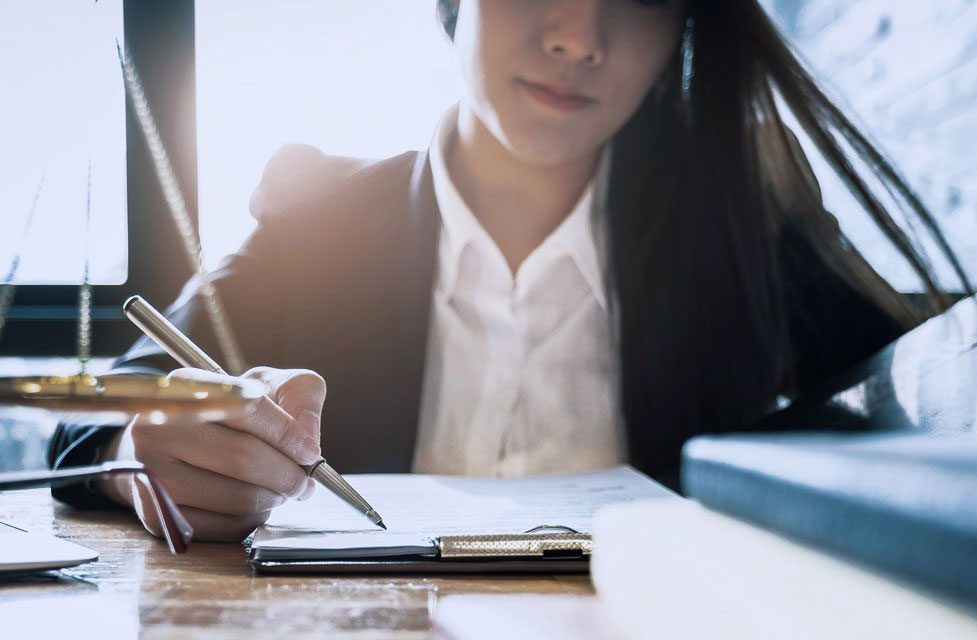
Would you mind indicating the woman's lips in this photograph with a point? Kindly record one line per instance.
(555, 97)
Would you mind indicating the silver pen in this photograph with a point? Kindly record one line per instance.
(174, 342)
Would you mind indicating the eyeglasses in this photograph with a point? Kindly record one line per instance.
(176, 529)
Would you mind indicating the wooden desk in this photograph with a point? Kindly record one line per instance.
(137, 588)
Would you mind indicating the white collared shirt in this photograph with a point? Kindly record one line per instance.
(521, 374)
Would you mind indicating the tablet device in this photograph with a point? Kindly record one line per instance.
(22, 551)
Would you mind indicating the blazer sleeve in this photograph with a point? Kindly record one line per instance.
(245, 282)
(249, 285)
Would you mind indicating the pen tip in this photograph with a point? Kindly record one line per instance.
(380, 524)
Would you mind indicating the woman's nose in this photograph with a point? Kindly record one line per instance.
(572, 31)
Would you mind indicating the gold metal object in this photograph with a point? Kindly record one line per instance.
(157, 398)
(515, 545)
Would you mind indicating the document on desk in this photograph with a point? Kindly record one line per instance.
(419, 509)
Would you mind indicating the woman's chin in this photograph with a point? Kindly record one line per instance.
(548, 150)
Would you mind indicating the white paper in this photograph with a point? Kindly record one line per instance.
(417, 509)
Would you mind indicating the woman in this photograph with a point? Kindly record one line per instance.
(612, 244)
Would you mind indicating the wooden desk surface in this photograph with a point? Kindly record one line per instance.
(137, 588)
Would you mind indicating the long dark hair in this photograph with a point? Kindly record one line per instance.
(714, 214)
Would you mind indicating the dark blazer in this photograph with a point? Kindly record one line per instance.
(337, 277)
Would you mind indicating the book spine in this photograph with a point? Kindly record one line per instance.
(851, 525)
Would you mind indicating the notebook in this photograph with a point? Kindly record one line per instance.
(903, 503)
(449, 523)
(21, 551)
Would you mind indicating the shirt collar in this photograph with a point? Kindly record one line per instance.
(574, 236)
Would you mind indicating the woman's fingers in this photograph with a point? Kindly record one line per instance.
(224, 451)
(190, 486)
(270, 422)
(300, 392)
(208, 526)
(227, 477)
(215, 527)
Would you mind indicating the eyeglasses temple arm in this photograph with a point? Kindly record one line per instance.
(177, 530)
(59, 477)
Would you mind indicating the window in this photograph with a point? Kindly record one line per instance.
(45, 49)
(907, 72)
(364, 79)
(67, 151)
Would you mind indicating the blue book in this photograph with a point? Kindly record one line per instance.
(902, 503)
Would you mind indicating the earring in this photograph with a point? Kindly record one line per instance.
(688, 71)
(660, 88)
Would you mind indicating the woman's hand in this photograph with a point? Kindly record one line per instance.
(226, 477)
